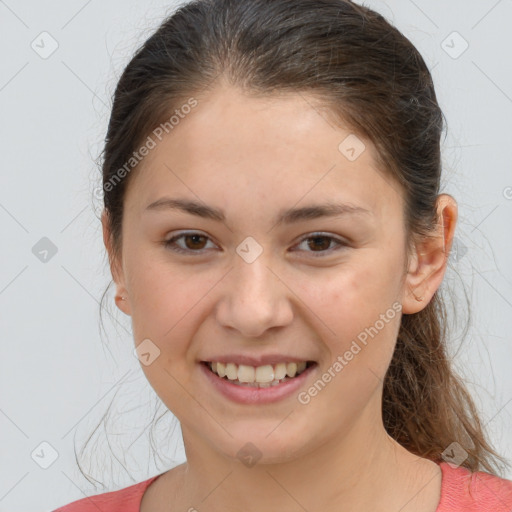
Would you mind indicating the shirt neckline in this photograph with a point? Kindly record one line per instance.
(447, 479)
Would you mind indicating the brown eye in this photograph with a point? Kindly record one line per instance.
(196, 241)
(193, 242)
(320, 243)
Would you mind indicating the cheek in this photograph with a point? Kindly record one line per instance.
(166, 309)
(361, 287)
(162, 297)
(353, 306)
(170, 303)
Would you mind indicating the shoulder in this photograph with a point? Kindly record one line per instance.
(473, 491)
(123, 500)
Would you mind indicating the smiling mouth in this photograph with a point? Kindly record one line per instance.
(258, 376)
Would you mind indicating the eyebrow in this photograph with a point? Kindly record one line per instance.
(288, 216)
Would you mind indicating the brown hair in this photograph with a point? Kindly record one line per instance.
(370, 77)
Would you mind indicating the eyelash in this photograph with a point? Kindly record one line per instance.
(170, 243)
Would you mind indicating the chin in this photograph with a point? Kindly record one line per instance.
(262, 443)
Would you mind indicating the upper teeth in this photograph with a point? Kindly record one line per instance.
(266, 373)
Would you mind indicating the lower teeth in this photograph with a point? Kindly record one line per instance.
(258, 384)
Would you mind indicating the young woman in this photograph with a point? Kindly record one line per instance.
(276, 233)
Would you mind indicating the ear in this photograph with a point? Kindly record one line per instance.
(115, 267)
(428, 264)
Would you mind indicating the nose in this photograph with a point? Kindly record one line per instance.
(254, 299)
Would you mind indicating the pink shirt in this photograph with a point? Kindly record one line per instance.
(461, 491)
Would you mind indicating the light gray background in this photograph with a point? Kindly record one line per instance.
(57, 376)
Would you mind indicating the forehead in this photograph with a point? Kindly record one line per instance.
(280, 147)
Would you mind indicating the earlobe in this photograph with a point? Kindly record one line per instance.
(428, 264)
(122, 304)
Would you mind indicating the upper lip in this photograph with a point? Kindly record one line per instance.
(262, 360)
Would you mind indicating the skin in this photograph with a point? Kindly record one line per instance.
(253, 157)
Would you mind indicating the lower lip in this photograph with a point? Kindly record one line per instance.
(253, 395)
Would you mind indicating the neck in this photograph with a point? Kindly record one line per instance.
(363, 469)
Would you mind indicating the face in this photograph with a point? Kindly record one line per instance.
(256, 289)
